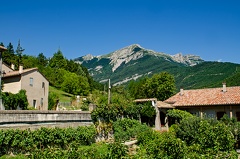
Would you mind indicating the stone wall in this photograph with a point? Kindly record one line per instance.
(20, 117)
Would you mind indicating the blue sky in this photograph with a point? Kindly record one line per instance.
(208, 28)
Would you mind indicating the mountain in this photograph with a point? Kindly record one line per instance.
(133, 62)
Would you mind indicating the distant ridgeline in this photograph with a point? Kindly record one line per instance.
(134, 62)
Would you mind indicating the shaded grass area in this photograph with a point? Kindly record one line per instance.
(63, 96)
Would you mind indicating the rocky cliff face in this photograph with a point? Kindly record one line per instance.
(133, 61)
(190, 60)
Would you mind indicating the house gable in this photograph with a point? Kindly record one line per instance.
(31, 80)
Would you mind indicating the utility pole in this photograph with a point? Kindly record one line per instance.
(109, 92)
(1, 51)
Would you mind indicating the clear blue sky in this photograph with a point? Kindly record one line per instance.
(208, 28)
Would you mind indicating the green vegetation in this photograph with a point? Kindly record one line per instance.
(62, 95)
(13, 101)
(62, 73)
(206, 74)
(160, 86)
(190, 137)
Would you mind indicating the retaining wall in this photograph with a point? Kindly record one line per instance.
(40, 118)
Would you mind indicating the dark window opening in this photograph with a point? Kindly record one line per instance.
(220, 115)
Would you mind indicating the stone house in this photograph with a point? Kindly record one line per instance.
(209, 102)
(31, 80)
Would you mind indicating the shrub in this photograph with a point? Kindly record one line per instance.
(125, 128)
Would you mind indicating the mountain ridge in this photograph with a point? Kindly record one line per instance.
(133, 62)
(124, 55)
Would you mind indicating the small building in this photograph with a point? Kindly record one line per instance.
(31, 80)
(209, 102)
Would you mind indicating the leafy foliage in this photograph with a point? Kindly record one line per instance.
(160, 86)
(191, 138)
(26, 141)
(125, 129)
(53, 100)
(13, 101)
(177, 115)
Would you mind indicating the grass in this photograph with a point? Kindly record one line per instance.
(63, 96)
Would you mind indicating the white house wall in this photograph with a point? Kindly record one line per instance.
(12, 84)
(36, 91)
(211, 111)
(6, 69)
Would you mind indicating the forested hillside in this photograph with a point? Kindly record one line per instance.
(62, 73)
(207, 74)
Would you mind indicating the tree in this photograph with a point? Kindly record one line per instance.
(19, 52)
(10, 48)
(136, 89)
(52, 100)
(160, 86)
(75, 84)
(8, 56)
(29, 61)
(42, 60)
(75, 68)
(58, 61)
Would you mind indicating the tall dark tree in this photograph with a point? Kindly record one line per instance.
(10, 48)
(8, 56)
(19, 52)
(75, 68)
(42, 60)
(58, 61)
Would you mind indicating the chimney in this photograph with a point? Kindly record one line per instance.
(224, 87)
(12, 66)
(181, 92)
(20, 69)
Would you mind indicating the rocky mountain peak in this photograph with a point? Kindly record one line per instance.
(87, 57)
(190, 60)
(125, 55)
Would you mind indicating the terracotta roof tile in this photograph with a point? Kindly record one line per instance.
(210, 96)
(15, 73)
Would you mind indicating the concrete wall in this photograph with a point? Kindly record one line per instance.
(35, 116)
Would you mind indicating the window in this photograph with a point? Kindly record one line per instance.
(31, 81)
(220, 115)
(238, 116)
(41, 102)
(34, 103)
(43, 85)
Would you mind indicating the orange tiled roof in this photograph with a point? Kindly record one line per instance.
(210, 96)
(15, 73)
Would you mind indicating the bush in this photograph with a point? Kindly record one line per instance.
(125, 128)
(208, 135)
(26, 141)
(161, 145)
